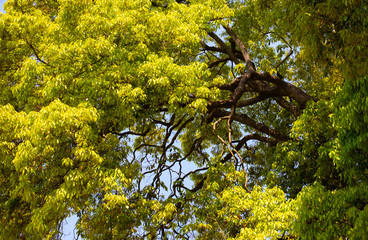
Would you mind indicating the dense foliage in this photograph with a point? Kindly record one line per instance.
(207, 119)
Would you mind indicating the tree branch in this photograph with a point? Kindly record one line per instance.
(224, 47)
(243, 118)
(250, 66)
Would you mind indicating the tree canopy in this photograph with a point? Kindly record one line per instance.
(198, 119)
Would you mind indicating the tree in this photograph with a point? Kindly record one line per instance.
(335, 36)
(184, 119)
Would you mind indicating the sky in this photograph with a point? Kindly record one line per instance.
(1, 5)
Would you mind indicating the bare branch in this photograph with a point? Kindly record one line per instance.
(35, 52)
(252, 101)
(250, 66)
(289, 90)
(243, 118)
(224, 47)
(121, 135)
(278, 65)
(288, 106)
(217, 62)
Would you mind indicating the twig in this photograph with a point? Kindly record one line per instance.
(229, 145)
(234, 149)
(290, 52)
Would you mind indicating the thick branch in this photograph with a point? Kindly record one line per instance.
(121, 135)
(237, 53)
(290, 90)
(255, 136)
(252, 101)
(217, 62)
(224, 47)
(243, 103)
(230, 86)
(288, 106)
(243, 118)
(243, 49)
